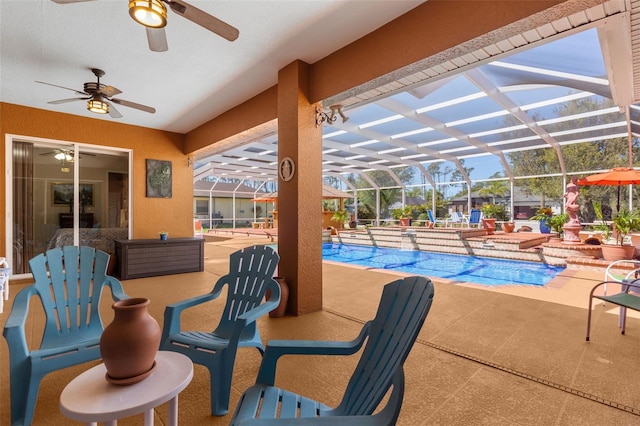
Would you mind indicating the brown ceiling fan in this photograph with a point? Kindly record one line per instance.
(99, 97)
(153, 15)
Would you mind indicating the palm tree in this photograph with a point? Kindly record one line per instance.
(493, 189)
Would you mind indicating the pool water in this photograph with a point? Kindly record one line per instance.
(471, 269)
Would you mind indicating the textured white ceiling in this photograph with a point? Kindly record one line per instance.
(201, 76)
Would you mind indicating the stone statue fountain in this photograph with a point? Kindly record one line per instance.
(573, 227)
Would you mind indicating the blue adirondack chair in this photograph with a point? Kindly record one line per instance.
(474, 218)
(69, 283)
(250, 276)
(403, 308)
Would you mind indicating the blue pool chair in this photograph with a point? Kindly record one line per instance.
(69, 283)
(250, 276)
(433, 219)
(475, 217)
(389, 337)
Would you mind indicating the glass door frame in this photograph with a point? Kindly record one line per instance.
(78, 149)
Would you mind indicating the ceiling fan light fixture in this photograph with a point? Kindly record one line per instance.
(150, 13)
(98, 106)
(64, 156)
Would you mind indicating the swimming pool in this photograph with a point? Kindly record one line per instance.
(471, 269)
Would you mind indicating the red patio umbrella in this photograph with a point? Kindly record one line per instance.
(266, 198)
(617, 176)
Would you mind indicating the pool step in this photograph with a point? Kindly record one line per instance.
(517, 246)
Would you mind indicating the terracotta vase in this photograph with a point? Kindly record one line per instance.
(129, 344)
(284, 297)
(508, 227)
(489, 225)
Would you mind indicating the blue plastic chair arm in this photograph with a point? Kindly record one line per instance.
(172, 312)
(20, 309)
(219, 285)
(184, 304)
(213, 294)
(277, 348)
(116, 288)
(255, 313)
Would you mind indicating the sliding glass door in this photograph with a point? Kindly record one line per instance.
(65, 194)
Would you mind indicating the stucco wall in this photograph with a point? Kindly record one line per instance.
(150, 215)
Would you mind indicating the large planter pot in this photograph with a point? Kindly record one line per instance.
(129, 344)
(489, 225)
(616, 252)
(544, 228)
(405, 221)
(284, 297)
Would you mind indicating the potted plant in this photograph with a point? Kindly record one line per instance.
(615, 248)
(403, 215)
(341, 216)
(490, 214)
(542, 216)
(163, 235)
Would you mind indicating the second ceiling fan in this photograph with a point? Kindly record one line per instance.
(100, 97)
(153, 15)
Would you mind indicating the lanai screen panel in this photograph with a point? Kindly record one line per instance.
(542, 99)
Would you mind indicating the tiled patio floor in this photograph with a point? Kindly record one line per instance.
(511, 356)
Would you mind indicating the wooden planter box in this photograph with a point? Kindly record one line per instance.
(150, 258)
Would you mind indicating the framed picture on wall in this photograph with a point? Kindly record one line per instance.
(62, 194)
(158, 179)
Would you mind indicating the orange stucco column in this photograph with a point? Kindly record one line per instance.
(300, 198)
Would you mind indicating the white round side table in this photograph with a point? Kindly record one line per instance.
(89, 398)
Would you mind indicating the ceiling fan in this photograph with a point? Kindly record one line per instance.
(65, 154)
(64, 157)
(99, 97)
(153, 15)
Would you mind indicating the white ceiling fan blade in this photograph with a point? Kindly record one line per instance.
(134, 105)
(157, 39)
(64, 101)
(113, 112)
(203, 19)
(79, 92)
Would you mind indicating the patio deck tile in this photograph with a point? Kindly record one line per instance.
(482, 357)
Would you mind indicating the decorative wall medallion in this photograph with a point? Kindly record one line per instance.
(287, 169)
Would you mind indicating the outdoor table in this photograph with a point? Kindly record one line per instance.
(90, 398)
